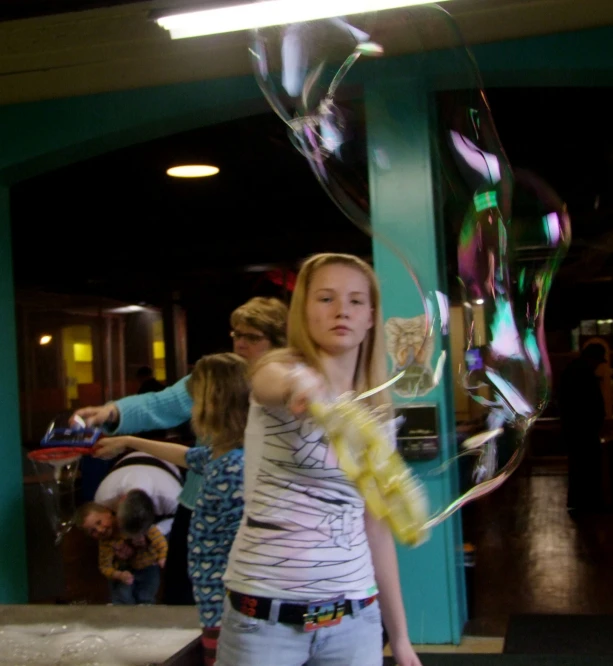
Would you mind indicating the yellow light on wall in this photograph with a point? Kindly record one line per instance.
(193, 171)
(159, 350)
(45, 339)
(83, 352)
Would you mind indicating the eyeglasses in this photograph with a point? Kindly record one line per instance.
(253, 338)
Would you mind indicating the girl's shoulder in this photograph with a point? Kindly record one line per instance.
(237, 455)
(286, 356)
(229, 465)
(231, 457)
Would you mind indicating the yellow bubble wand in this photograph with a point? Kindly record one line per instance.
(365, 454)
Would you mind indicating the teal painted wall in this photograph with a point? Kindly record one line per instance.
(13, 574)
(40, 136)
(36, 137)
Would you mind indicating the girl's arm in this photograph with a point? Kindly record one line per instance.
(271, 384)
(295, 385)
(385, 562)
(109, 447)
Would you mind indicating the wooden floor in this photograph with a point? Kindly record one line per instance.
(531, 558)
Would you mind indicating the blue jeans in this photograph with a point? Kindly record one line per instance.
(247, 641)
(142, 591)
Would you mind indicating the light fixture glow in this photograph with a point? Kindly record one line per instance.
(271, 12)
(45, 339)
(192, 171)
(127, 309)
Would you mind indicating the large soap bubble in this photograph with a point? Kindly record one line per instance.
(308, 74)
(311, 73)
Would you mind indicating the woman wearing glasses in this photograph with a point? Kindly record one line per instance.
(258, 326)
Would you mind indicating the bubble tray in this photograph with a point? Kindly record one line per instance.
(71, 437)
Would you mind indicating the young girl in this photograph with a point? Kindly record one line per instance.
(220, 394)
(310, 572)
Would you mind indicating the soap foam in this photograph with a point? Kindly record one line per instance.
(69, 645)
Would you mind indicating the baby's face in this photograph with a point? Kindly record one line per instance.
(99, 524)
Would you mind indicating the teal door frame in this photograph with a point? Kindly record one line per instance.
(41, 136)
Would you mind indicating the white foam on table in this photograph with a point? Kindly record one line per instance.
(63, 645)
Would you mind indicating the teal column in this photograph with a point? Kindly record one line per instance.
(403, 214)
(13, 571)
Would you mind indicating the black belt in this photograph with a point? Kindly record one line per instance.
(289, 612)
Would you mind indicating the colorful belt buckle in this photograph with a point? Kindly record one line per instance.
(325, 613)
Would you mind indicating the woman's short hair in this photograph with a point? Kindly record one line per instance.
(268, 315)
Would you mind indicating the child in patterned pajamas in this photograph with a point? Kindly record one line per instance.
(221, 397)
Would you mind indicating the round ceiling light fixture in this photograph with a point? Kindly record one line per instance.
(192, 171)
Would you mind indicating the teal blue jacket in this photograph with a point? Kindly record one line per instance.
(160, 411)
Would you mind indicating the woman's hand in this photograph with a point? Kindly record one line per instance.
(97, 416)
(110, 447)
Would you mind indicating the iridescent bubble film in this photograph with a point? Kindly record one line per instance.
(512, 229)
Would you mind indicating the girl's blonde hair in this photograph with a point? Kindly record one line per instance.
(371, 370)
(220, 391)
(268, 315)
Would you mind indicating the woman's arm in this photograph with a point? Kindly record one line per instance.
(109, 447)
(385, 562)
(148, 411)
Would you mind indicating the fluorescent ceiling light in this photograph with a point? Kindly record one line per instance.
(192, 171)
(265, 13)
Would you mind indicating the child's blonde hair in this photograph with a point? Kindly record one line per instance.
(370, 369)
(220, 391)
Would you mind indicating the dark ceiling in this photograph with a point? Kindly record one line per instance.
(12, 10)
(118, 226)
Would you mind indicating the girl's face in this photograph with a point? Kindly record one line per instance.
(338, 308)
(249, 343)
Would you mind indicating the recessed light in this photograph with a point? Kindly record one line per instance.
(192, 171)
